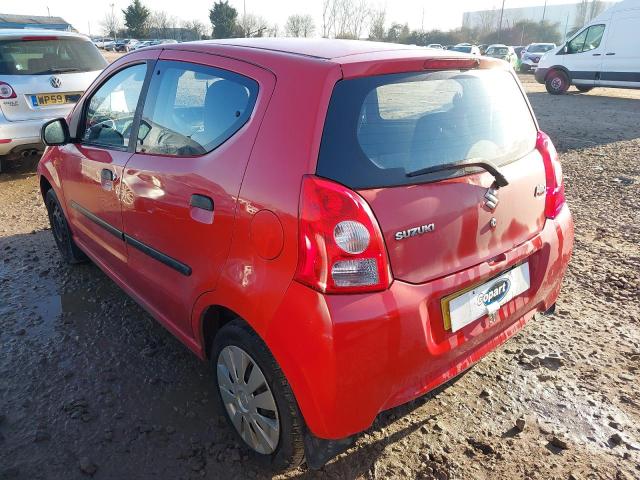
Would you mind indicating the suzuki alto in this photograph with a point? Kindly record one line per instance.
(338, 227)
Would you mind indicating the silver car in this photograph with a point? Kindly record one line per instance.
(42, 75)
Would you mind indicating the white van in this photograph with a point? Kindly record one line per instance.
(605, 53)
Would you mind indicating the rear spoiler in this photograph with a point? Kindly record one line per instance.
(380, 63)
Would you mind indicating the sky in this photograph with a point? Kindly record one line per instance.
(86, 15)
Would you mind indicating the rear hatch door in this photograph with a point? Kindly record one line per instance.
(379, 129)
(48, 74)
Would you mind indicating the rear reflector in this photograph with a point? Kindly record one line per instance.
(555, 198)
(451, 63)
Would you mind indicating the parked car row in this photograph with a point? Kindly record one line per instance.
(128, 44)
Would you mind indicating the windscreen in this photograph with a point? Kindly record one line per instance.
(42, 57)
(539, 48)
(498, 51)
(379, 129)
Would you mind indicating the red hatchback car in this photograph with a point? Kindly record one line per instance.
(337, 226)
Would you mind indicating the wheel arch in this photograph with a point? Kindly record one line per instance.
(561, 68)
(212, 319)
(45, 186)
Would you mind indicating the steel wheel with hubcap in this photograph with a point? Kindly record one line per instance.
(248, 399)
(256, 397)
(557, 82)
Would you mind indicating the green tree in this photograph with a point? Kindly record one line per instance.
(223, 19)
(398, 33)
(136, 16)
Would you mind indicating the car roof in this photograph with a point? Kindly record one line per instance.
(322, 48)
(11, 33)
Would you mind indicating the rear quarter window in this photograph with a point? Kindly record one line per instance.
(192, 109)
(378, 129)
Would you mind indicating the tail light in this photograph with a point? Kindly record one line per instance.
(6, 91)
(555, 198)
(341, 248)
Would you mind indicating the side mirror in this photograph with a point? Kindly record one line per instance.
(55, 132)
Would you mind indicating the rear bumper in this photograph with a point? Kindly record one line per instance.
(21, 134)
(349, 357)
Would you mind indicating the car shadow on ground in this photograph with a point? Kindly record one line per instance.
(360, 459)
(116, 380)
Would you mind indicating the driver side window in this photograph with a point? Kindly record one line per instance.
(111, 109)
(588, 39)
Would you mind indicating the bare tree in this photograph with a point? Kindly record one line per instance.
(251, 25)
(299, 26)
(595, 8)
(378, 31)
(359, 14)
(487, 20)
(345, 18)
(111, 24)
(329, 8)
(341, 19)
(159, 24)
(273, 30)
(582, 10)
(196, 27)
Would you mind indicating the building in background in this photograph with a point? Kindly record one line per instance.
(569, 16)
(34, 21)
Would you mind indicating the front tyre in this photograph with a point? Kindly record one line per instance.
(257, 399)
(61, 231)
(557, 82)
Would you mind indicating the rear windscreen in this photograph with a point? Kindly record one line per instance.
(379, 129)
(42, 57)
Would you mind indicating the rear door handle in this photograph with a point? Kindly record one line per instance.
(610, 53)
(201, 201)
(597, 54)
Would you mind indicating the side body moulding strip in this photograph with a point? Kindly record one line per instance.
(171, 262)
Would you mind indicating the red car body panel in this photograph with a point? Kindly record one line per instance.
(463, 236)
(346, 357)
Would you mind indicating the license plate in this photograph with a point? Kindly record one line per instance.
(44, 99)
(462, 308)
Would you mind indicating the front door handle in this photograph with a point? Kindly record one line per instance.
(107, 178)
(597, 54)
(610, 53)
(202, 202)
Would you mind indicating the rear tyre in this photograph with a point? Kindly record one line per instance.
(256, 398)
(61, 232)
(557, 82)
(584, 89)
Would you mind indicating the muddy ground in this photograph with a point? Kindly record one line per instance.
(91, 385)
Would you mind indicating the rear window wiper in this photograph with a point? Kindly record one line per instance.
(500, 179)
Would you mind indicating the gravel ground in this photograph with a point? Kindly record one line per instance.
(90, 385)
